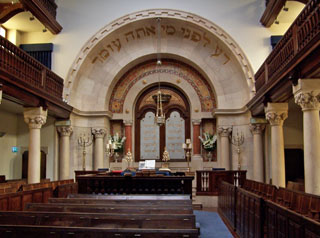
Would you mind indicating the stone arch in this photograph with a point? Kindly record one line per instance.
(126, 41)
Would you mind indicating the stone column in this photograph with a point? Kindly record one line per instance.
(307, 95)
(196, 134)
(35, 118)
(256, 128)
(99, 134)
(276, 113)
(128, 135)
(224, 133)
(65, 130)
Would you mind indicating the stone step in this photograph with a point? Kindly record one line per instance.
(197, 206)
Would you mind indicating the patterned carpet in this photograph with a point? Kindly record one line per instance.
(211, 225)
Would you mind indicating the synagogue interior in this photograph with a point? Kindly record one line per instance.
(110, 108)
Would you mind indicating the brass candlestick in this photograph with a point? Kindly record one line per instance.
(84, 141)
(110, 147)
(187, 150)
(237, 140)
(129, 159)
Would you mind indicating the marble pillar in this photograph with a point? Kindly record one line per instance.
(65, 132)
(196, 134)
(276, 113)
(307, 96)
(99, 134)
(128, 135)
(224, 133)
(256, 128)
(35, 118)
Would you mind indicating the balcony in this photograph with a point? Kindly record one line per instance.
(296, 55)
(30, 83)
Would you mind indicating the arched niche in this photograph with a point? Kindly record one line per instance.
(130, 40)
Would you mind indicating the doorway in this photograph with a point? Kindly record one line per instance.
(43, 168)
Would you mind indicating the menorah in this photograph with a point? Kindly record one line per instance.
(237, 141)
(187, 150)
(84, 141)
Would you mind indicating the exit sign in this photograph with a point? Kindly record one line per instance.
(14, 149)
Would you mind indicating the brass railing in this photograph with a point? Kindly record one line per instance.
(303, 35)
(26, 72)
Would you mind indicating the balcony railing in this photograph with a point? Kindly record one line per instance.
(208, 182)
(25, 72)
(302, 37)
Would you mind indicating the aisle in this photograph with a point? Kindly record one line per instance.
(211, 225)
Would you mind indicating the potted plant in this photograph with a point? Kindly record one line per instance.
(209, 143)
(118, 143)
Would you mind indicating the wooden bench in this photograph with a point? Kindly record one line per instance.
(100, 208)
(130, 197)
(136, 202)
(27, 231)
(153, 221)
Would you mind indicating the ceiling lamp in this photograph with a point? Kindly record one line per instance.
(160, 118)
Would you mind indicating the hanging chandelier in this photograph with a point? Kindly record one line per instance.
(160, 117)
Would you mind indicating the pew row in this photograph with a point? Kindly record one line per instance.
(178, 203)
(100, 208)
(9, 231)
(152, 221)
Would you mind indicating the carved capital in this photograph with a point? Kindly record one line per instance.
(98, 132)
(196, 122)
(65, 130)
(127, 122)
(276, 118)
(224, 131)
(35, 122)
(35, 117)
(257, 128)
(307, 100)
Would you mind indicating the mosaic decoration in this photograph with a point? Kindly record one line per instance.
(178, 69)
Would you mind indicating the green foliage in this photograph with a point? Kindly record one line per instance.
(209, 142)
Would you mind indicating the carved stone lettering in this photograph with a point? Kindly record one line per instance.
(175, 135)
(149, 139)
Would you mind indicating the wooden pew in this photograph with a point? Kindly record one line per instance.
(59, 232)
(100, 208)
(114, 202)
(130, 197)
(152, 221)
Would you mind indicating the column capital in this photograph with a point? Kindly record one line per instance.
(35, 117)
(276, 113)
(307, 94)
(64, 130)
(196, 122)
(224, 131)
(257, 128)
(127, 122)
(98, 132)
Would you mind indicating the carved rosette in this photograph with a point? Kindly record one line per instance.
(98, 132)
(65, 130)
(276, 118)
(224, 131)
(308, 100)
(35, 122)
(257, 129)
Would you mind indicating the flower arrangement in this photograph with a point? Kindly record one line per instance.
(209, 141)
(117, 141)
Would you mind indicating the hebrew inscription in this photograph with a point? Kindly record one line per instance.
(168, 30)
